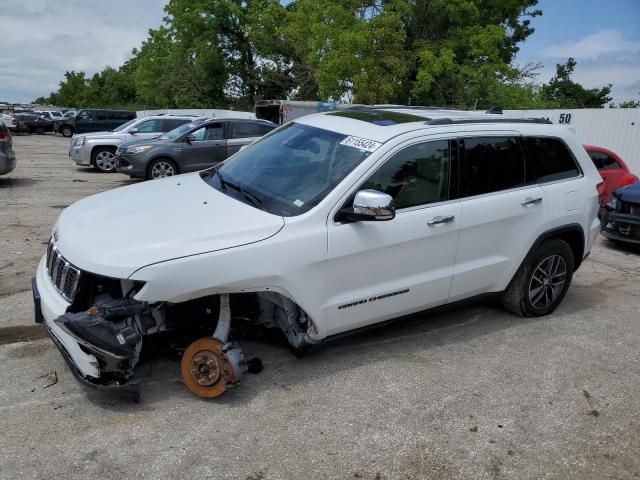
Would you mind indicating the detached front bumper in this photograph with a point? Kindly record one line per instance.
(85, 367)
(621, 227)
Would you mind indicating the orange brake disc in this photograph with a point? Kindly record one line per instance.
(205, 369)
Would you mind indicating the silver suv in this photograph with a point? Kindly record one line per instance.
(98, 149)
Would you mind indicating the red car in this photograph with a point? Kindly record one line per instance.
(613, 171)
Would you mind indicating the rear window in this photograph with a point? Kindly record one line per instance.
(491, 164)
(550, 159)
(602, 161)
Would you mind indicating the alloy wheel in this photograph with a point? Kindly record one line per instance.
(162, 169)
(106, 161)
(547, 281)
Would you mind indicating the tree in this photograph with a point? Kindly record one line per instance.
(568, 94)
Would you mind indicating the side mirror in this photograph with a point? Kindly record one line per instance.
(190, 138)
(370, 205)
(133, 131)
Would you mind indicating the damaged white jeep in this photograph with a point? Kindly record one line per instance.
(329, 224)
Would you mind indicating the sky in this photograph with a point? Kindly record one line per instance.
(41, 39)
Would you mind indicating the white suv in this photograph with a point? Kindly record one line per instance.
(330, 223)
(98, 149)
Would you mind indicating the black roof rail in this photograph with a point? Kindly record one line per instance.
(495, 110)
(395, 107)
(454, 121)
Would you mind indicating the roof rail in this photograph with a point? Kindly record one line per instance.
(495, 110)
(450, 121)
(396, 107)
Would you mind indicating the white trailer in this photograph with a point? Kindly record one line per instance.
(617, 129)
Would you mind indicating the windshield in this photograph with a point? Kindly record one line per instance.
(125, 125)
(289, 171)
(181, 130)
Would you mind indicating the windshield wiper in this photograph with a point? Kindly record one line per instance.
(252, 197)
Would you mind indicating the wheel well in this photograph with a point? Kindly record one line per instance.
(163, 157)
(104, 147)
(573, 235)
(66, 125)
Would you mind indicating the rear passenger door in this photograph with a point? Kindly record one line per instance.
(502, 212)
(243, 133)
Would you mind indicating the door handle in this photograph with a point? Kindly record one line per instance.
(441, 219)
(531, 201)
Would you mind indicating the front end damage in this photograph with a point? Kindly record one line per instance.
(106, 327)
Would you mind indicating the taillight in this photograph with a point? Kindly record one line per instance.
(600, 188)
(3, 135)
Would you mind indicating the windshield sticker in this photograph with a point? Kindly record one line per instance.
(298, 203)
(361, 144)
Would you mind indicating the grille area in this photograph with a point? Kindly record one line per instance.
(64, 276)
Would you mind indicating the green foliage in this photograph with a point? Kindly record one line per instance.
(568, 94)
(230, 53)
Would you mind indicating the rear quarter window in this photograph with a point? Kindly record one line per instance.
(549, 160)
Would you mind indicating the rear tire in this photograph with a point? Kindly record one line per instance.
(103, 159)
(161, 168)
(66, 131)
(542, 280)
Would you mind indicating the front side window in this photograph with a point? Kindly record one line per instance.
(289, 171)
(417, 175)
(491, 164)
(214, 131)
(149, 126)
(84, 115)
(602, 161)
(550, 159)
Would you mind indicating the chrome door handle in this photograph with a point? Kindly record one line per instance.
(439, 219)
(531, 201)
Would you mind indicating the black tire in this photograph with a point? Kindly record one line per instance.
(66, 131)
(103, 159)
(161, 167)
(523, 295)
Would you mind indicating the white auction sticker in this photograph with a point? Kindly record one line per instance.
(361, 143)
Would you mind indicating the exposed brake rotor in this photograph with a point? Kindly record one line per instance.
(207, 370)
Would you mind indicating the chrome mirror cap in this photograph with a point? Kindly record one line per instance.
(373, 205)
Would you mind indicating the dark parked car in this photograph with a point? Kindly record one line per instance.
(188, 148)
(621, 220)
(32, 123)
(7, 155)
(93, 120)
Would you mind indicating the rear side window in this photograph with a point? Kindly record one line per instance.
(602, 161)
(417, 175)
(550, 159)
(149, 126)
(102, 115)
(245, 130)
(491, 164)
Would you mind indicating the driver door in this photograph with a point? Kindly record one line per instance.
(378, 270)
(208, 147)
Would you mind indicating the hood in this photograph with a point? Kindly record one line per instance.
(98, 134)
(120, 231)
(630, 193)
